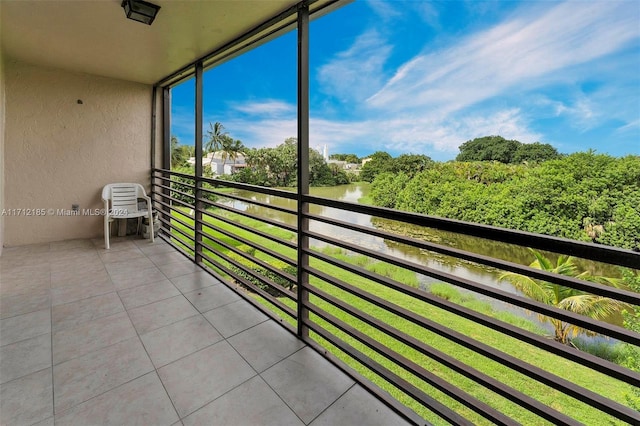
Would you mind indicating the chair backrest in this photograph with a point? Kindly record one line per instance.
(123, 196)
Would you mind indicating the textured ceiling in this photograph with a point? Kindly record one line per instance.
(95, 37)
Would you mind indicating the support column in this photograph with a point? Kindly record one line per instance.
(199, 169)
(166, 151)
(303, 167)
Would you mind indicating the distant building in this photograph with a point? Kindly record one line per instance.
(344, 165)
(220, 166)
(341, 164)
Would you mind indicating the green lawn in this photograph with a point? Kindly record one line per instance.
(580, 375)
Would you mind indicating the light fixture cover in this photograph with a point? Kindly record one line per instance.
(140, 10)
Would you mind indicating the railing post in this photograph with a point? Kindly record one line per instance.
(166, 151)
(303, 167)
(154, 123)
(199, 169)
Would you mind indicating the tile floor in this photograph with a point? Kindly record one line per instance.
(140, 335)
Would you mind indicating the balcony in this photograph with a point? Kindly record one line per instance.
(392, 333)
(255, 305)
(140, 335)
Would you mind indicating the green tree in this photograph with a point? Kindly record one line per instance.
(631, 321)
(582, 196)
(592, 306)
(230, 148)
(386, 187)
(380, 162)
(488, 148)
(349, 158)
(411, 164)
(216, 135)
(179, 153)
(535, 152)
(279, 167)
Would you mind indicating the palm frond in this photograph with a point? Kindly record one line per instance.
(534, 289)
(592, 306)
(541, 261)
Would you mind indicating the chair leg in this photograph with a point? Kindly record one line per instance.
(151, 224)
(106, 233)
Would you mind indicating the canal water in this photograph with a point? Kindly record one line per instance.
(463, 269)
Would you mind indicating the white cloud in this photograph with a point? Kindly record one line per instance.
(428, 12)
(259, 132)
(384, 9)
(357, 72)
(629, 127)
(438, 100)
(444, 134)
(436, 135)
(513, 55)
(268, 107)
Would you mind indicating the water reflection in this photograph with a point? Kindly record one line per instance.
(458, 267)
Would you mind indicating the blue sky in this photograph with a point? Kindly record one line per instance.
(423, 77)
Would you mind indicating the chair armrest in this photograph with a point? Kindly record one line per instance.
(106, 193)
(148, 201)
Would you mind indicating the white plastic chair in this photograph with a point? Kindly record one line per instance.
(121, 202)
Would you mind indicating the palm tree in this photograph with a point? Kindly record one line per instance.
(231, 148)
(175, 155)
(579, 302)
(216, 136)
(179, 153)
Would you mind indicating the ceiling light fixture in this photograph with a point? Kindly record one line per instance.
(140, 10)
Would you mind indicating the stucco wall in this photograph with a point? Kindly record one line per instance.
(67, 135)
(2, 129)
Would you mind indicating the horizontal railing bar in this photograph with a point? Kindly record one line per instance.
(600, 253)
(556, 382)
(435, 381)
(174, 216)
(253, 288)
(252, 202)
(256, 246)
(247, 283)
(175, 228)
(177, 191)
(247, 298)
(172, 173)
(265, 235)
(591, 287)
(179, 249)
(381, 394)
(271, 222)
(180, 221)
(456, 226)
(251, 188)
(248, 270)
(257, 261)
(398, 382)
(185, 248)
(523, 302)
(489, 382)
(174, 200)
(584, 358)
(236, 185)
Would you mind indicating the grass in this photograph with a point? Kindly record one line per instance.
(599, 383)
(614, 352)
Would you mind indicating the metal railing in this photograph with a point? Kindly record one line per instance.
(400, 337)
